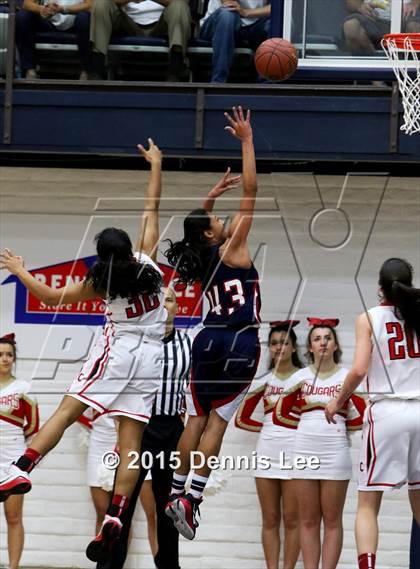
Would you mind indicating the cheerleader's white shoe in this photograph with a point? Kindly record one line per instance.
(15, 481)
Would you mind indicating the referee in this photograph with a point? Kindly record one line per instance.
(161, 438)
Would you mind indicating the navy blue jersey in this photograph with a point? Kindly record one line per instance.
(233, 294)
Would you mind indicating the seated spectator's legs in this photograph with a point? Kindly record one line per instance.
(27, 25)
(175, 24)
(107, 18)
(222, 29)
(363, 35)
(82, 30)
(256, 33)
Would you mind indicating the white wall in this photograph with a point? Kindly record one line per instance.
(59, 518)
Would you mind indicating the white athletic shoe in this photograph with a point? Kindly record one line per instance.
(15, 481)
(100, 548)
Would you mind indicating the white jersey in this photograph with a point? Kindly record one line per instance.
(141, 315)
(394, 371)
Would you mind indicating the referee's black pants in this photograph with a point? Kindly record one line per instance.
(161, 435)
(415, 546)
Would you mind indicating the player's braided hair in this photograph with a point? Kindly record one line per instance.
(192, 255)
(117, 272)
(396, 282)
(292, 336)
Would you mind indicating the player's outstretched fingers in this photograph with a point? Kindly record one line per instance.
(231, 130)
(230, 120)
(226, 176)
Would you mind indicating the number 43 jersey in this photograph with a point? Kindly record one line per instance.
(394, 372)
(144, 314)
(233, 294)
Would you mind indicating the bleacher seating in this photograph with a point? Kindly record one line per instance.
(129, 56)
(134, 57)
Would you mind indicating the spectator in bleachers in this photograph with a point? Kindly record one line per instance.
(58, 15)
(228, 22)
(161, 18)
(411, 17)
(370, 20)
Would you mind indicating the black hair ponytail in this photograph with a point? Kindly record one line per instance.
(396, 282)
(191, 257)
(117, 272)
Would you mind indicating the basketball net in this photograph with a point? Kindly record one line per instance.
(402, 51)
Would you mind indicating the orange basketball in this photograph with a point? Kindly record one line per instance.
(276, 59)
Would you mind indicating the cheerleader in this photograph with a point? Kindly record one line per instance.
(102, 439)
(322, 485)
(388, 351)
(19, 420)
(274, 485)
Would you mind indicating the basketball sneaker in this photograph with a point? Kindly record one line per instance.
(15, 481)
(101, 546)
(185, 510)
(169, 511)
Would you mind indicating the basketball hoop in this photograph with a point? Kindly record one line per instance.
(403, 51)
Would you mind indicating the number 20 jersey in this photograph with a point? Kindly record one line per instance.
(233, 294)
(394, 371)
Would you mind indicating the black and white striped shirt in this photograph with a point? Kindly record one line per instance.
(170, 399)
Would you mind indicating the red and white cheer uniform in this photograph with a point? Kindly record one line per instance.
(19, 420)
(102, 440)
(314, 436)
(274, 439)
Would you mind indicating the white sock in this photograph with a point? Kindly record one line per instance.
(197, 485)
(178, 483)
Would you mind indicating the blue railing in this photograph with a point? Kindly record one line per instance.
(293, 122)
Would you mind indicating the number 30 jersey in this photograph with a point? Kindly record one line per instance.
(143, 314)
(394, 371)
(233, 294)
